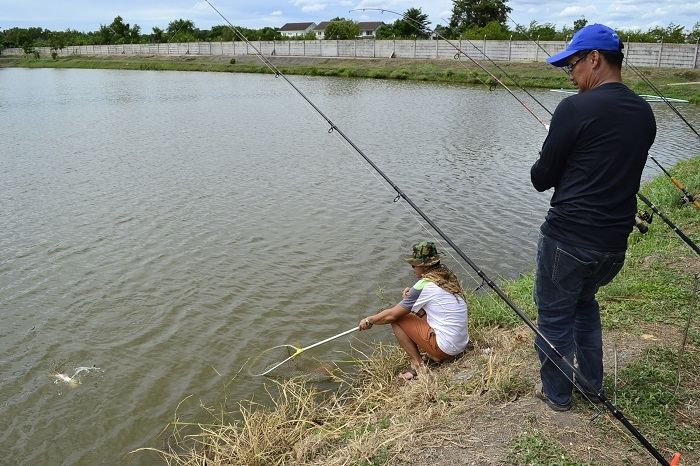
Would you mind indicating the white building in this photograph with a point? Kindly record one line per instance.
(296, 29)
(369, 28)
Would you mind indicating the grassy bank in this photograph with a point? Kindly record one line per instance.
(480, 409)
(451, 71)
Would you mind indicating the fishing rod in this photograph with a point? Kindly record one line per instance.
(461, 52)
(580, 379)
(641, 217)
(673, 227)
(641, 76)
(648, 82)
(687, 196)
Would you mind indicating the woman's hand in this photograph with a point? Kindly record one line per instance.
(405, 292)
(365, 324)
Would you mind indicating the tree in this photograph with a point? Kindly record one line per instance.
(341, 28)
(57, 41)
(385, 31)
(546, 31)
(493, 30)
(105, 34)
(477, 13)
(444, 31)
(120, 30)
(413, 24)
(223, 33)
(580, 24)
(158, 35)
(674, 33)
(181, 30)
(268, 33)
(694, 34)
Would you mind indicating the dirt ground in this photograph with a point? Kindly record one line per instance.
(483, 434)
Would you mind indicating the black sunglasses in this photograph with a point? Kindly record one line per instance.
(570, 67)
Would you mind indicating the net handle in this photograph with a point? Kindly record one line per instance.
(298, 351)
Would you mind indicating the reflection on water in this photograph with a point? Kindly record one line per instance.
(166, 227)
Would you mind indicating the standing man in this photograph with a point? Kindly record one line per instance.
(593, 157)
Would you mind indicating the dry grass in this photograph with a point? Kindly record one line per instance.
(372, 418)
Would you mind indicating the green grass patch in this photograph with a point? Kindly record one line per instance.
(533, 448)
(648, 394)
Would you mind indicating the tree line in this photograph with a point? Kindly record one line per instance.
(471, 19)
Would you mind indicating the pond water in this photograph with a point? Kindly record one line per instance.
(164, 227)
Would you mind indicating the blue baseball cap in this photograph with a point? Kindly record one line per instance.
(591, 37)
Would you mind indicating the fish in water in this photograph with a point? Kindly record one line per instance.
(72, 380)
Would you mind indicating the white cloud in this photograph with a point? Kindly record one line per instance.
(276, 13)
(308, 6)
(313, 7)
(201, 7)
(571, 11)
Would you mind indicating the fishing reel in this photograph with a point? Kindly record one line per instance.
(642, 220)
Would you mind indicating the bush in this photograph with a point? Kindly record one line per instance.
(232, 61)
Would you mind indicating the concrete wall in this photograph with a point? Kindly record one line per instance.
(639, 54)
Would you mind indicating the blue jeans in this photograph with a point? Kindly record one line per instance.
(568, 315)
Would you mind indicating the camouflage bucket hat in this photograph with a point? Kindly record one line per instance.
(424, 253)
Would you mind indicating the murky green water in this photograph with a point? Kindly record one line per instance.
(165, 227)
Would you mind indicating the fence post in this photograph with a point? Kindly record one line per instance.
(374, 48)
(337, 50)
(537, 49)
(661, 49)
(695, 59)
(483, 48)
(415, 44)
(510, 46)
(354, 48)
(437, 55)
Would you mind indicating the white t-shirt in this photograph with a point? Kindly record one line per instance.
(446, 314)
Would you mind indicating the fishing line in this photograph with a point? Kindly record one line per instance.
(420, 222)
(579, 377)
(687, 195)
(658, 92)
(520, 29)
(459, 51)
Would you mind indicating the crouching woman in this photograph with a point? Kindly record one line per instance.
(432, 317)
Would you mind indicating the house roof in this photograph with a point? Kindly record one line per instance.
(296, 26)
(322, 26)
(370, 25)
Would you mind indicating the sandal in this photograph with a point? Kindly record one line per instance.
(430, 362)
(408, 374)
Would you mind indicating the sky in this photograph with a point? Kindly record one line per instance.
(86, 15)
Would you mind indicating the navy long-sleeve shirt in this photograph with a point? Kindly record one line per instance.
(593, 157)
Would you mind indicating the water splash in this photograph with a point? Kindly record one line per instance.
(72, 380)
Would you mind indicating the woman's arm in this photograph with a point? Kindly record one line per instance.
(385, 316)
